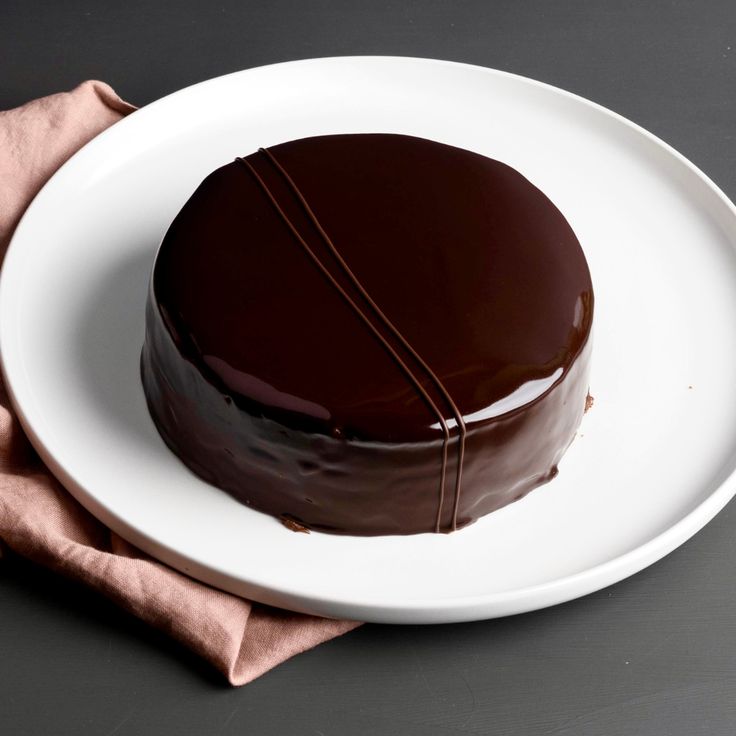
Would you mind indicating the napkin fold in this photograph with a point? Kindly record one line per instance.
(41, 521)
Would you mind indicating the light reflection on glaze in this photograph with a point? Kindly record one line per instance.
(525, 394)
(262, 392)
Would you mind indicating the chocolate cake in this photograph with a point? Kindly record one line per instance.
(369, 334)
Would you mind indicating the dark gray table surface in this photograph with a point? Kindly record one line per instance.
(655, 654)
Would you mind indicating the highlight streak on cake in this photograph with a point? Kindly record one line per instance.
(391, 327)
(387, 346)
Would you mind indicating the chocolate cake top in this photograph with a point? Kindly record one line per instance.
(378, 287)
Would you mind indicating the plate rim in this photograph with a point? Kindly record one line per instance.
(423, 610)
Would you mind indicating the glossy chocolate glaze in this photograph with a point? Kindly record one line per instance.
(326, 317)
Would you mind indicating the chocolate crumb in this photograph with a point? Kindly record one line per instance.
(295, 526)
(589, 400)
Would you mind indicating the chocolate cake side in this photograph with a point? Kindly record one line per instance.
(369, 334)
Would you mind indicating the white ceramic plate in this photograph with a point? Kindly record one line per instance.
(655, 458)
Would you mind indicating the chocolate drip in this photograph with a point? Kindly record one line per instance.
(392, 328)
(386, 345)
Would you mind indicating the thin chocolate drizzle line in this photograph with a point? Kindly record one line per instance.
(387, 346)
(389, 325)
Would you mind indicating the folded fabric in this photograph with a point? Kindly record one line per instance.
(41, 521)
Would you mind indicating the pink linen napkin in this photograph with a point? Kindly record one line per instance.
(41, 521)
